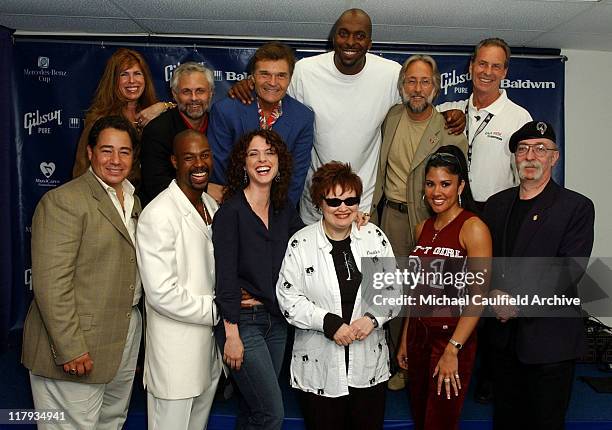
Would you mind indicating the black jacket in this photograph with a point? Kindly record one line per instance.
(549, 257)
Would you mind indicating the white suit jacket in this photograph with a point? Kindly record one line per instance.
(177, 266)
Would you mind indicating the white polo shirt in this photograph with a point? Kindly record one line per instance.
(492, 166)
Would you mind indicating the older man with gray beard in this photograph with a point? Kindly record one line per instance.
(192, 88)
(412, 131)
(547, 230)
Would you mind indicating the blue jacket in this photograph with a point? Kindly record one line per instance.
(230, 119)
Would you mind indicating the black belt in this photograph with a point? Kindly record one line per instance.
(400, 207)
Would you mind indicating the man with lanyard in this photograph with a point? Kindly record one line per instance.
(491, 118)
(271, 69)
(192, 87)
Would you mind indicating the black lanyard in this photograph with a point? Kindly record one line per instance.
(481, 127)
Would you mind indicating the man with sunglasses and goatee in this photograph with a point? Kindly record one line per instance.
(412, 131)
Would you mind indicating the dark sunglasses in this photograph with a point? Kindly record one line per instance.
(349, 201)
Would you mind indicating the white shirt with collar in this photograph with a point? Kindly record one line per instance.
(492, 167)
(125, 213)
(308, 289)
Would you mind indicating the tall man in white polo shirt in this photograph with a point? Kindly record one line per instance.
(491, 118)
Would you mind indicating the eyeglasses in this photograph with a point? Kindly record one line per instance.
(539, 149)
(412, 82)
(349, 201)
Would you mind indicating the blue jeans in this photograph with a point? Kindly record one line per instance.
(263, 336)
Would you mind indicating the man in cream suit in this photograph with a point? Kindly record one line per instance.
(82, 332)
(175, 257)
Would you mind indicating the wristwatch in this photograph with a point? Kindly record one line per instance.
(374, 320)
(455, 343)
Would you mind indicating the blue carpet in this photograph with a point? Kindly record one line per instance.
(588, 410)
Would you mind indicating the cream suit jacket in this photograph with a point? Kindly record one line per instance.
(177, 266)
(434, 137)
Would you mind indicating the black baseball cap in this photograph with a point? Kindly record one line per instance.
(532, 130)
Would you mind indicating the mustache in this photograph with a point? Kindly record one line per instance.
(533, 164)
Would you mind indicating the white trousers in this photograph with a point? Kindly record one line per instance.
(182, 414)
(92, 406)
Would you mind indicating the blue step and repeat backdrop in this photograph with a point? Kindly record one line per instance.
(54, 82)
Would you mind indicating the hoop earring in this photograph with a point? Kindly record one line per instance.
(277, 178)
(423, 198)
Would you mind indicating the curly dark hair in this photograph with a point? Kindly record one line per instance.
(236, 167)
(331, 174)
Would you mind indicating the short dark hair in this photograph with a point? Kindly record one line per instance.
(353, 11)
(185, 134)
(273, 51)
(330, 175)
(451, 158)
(237, 162)
(113, 121)
(493, 41)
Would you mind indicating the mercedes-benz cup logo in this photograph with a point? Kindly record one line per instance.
(43, 62)
(47, 169)
(541, 128)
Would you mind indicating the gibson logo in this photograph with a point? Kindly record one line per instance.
(451, 79)
(169, 69)
(35, 119)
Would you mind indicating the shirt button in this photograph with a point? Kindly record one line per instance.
(444, 327)
(128, 315)
(132, 287)
(131, 259)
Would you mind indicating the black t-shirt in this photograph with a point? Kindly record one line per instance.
(520, 209)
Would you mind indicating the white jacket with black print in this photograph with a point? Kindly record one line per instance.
(308, 289)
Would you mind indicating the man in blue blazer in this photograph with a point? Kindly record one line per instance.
(547, 230)
(271, 69)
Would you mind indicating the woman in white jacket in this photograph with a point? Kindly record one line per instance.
(340, 358)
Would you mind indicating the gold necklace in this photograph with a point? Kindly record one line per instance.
(436, 231)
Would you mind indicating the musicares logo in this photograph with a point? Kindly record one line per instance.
(47, 169)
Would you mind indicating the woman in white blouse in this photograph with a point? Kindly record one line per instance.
(340, 360)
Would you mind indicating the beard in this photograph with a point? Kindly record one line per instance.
(523, 165)
(193, 110)
(417, 106)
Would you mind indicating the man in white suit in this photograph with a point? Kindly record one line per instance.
(175, 251)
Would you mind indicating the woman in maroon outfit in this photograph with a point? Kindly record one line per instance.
(438, 345)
